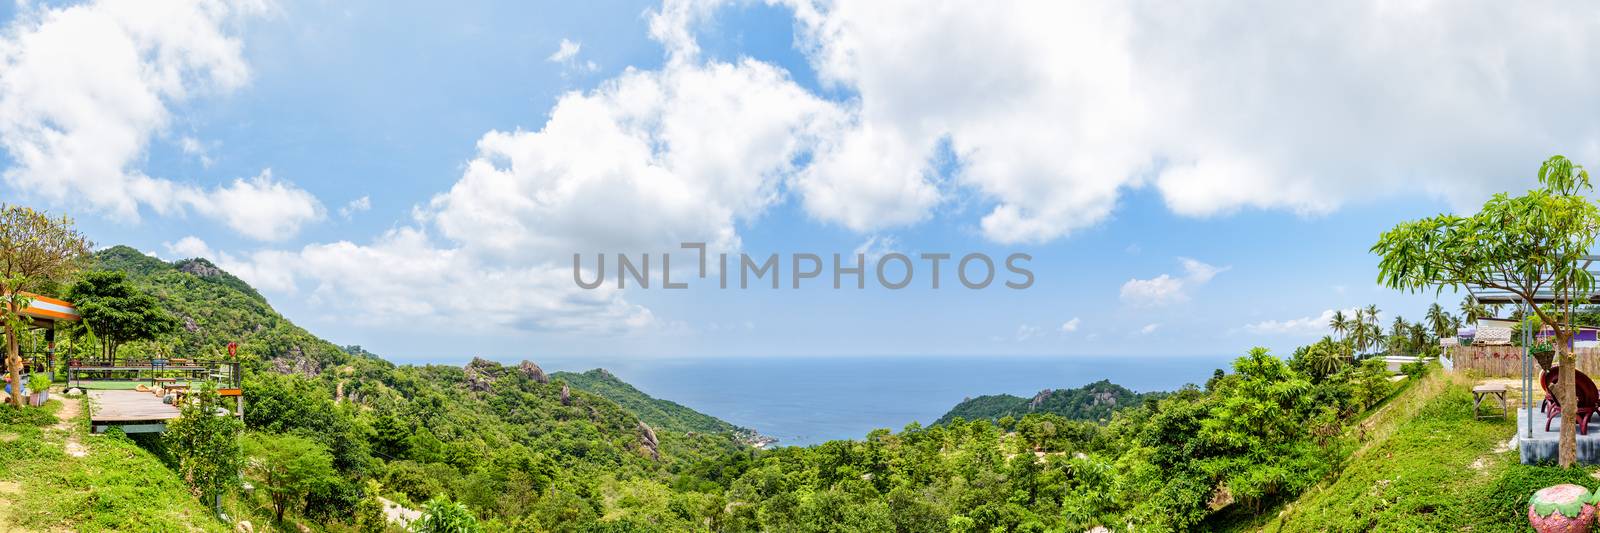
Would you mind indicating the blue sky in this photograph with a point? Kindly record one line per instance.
(415, 178)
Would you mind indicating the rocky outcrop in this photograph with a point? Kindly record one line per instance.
(1038, 399)
(481, 374)
(533, 372)
(649, 441)
(190, 325)
(296, 363)
(201, 268)
(566, 394)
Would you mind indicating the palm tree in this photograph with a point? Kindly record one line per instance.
(1473, 310)
(1398, 335)
(1419, 339)
(1338, 323)
(1439, 321)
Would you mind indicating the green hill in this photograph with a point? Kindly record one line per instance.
(496, 438)
(659, 413)
(1095, 401)
(1425, 463)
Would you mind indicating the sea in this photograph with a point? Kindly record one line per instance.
(809, 400)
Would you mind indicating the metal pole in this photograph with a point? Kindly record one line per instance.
(1527, 373)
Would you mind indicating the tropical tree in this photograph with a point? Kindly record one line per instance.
(1439, 321)
(1398, 335)
(1473, 310)
(1339, 324)
(1532, 246)
(1327, 356)
(36, 251)
(440, 515)
(287, 468)
(117, 312)
(206, 443)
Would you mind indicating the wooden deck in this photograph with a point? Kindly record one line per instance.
(134, 411)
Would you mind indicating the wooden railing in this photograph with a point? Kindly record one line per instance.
(1506, 361)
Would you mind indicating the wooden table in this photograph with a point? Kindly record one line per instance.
(1482, 392)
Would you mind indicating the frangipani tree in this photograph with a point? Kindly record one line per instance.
(36, 250)
(1535, 246)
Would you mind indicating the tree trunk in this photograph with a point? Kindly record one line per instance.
(13, 355)
(1567, 391)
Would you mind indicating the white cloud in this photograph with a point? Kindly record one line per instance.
(1053, 111)
(1149, 328)
(1027, 331)
(83, 89)
(1308, 326)
(261, 208)
(565, 52)
(358, 205)
(1070, 325)
(188, 247)
(1166, 289)
(193, 147)
(876, 246)
(646, 161)
(1163, 289)
(641, 163)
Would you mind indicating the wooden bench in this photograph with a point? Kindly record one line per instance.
(1482, 392)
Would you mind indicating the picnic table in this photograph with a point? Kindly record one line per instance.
(1483, 392)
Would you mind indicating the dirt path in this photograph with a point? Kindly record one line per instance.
(397, 514)
(67, 417)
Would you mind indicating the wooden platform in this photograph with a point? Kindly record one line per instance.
(133, 411)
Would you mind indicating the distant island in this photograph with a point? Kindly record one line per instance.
(1095, 402)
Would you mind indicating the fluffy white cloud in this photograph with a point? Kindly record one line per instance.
(1053, 110)
(1167, 289)
(1149, 328)
(1070, 325)
(188, 247)
(564, 52)
(405, 278)
(1304, 326)
(646, 161)
(261, 208)
(84, 88)
(358, 205)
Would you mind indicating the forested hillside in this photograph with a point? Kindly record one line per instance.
(659, 413)
(521, 450)
(1095, 401)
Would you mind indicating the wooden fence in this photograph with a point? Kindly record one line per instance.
(1506, 361)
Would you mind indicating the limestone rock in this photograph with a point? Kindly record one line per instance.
(650, 443)
(533, 372)
(481, 373)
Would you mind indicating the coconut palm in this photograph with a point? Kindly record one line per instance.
(1327, 356)
(1473, 310)
(1339, 324)
(1439, 321)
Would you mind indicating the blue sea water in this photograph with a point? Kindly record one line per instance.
(805, 401)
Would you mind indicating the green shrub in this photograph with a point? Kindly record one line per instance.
(1508, 495)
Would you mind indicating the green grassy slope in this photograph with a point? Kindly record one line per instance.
(1426, 465)
(115, 486)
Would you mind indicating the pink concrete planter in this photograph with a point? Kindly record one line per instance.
(1561, 509)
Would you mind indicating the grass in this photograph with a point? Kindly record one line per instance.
(122, 385)
(1426, 464)
(116, 486)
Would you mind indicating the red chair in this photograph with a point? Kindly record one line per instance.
(1588, 400)
(1544, 383)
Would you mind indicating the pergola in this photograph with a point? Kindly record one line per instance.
(1493, 296)
(44, 312)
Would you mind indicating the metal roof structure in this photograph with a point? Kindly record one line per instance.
(1491, 296)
